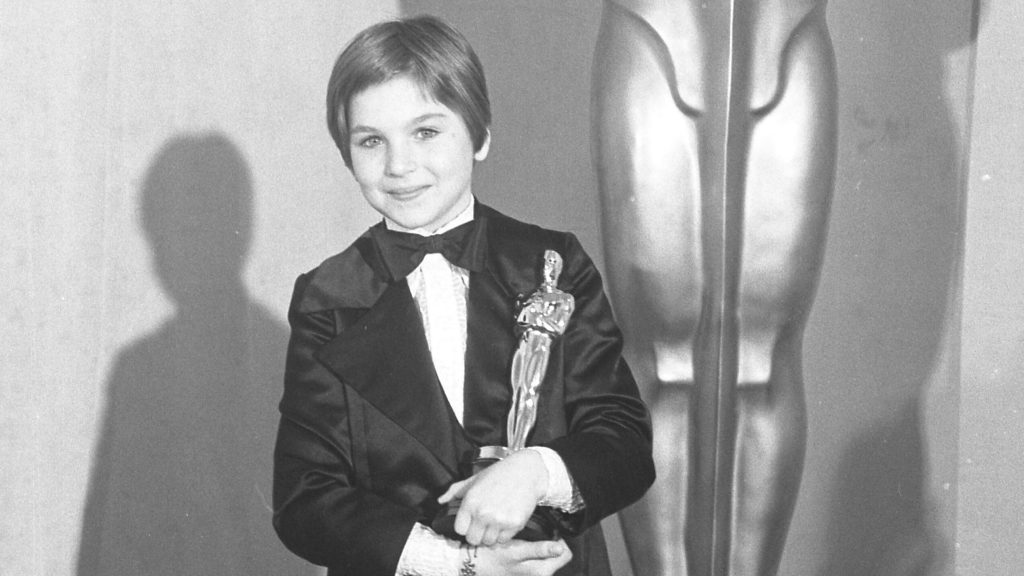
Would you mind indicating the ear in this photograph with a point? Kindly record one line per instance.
(480, 154)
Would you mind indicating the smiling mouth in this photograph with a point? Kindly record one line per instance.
(406, 191)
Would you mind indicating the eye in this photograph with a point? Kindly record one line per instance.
(427, 133)
(370, 142)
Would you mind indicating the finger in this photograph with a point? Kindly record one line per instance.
(566, 555)
(563, 558)
(457, 490)
(475, 534)
(541, 550)
(554, 549)
(490, 536)
(506, 536)
(463, 519)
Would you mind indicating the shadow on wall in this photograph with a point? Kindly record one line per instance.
(182, 478)
(901, 158)
(880, 523)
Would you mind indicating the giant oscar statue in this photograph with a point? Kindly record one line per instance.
(715, 127)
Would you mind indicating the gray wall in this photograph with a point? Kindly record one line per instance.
(117, 287)
(990, 462)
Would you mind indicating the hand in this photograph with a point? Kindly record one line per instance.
(497, 502)
(522, 558)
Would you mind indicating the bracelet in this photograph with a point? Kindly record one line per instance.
(468, 565)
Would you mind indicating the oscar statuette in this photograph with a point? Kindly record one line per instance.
(540, 319)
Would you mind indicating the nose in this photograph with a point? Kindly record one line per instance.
(401, 159)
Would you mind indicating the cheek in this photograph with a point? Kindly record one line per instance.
(455, 162)
(364, 170)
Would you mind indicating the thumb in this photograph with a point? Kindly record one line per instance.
(457, 490)
(543, 549)
(555, 548)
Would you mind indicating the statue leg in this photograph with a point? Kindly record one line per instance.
(771, 435)
(645, 155)
(787, 200)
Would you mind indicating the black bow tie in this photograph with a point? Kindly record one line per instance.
(402, 252)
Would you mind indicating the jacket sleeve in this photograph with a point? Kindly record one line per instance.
(607, 449)
(320, 511)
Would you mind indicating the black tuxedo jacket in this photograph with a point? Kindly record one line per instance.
(367, 441)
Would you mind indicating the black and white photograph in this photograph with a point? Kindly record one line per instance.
(511, 287)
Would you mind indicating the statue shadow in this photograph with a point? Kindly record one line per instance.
(898, 218)
(181, 483)
(880, 521)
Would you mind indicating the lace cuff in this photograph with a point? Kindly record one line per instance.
(562, 492)
(427, 553)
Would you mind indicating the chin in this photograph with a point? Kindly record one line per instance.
(409, 220)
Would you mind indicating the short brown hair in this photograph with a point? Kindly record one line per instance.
(428, 50)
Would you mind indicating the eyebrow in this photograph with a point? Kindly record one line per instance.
(360, 129)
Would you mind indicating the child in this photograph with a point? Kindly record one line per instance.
(399, 359)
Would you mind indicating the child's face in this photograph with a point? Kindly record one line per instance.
(412, 156)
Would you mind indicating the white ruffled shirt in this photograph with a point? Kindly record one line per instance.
(440, 289)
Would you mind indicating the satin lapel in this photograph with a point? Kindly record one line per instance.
(490, 344)
(384, 357)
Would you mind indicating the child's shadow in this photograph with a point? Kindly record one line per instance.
(181, 481)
